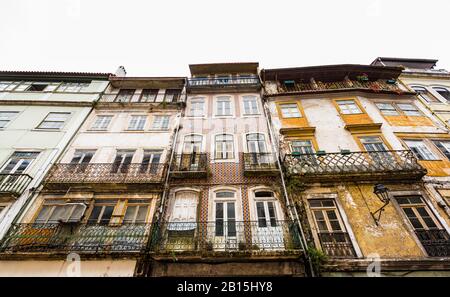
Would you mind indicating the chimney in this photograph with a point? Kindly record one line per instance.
(121, 72)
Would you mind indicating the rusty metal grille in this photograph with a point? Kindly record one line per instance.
(337, 244)
(435, 242)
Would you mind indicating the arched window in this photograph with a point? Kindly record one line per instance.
(266, 209)
(225, 213)
(224, 146)
(192, 143)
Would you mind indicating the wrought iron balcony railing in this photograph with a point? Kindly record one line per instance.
(375, 86)
(229, 81)
(227, 236)
(139, 98)
(14, 184)
(189, 165)
(435, 242)
(76, 237)
(337, 244)
(259, 163)
(106, 173)
(364, 165)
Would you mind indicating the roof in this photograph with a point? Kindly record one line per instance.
(218, 68)
(331, 72)
(148, 82)
(406, 62)
(54, 75)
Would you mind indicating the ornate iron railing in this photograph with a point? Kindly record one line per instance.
(77, 237)
(435, 242)
(138, 98)
(193, 163)
(228, 236)
(337, 244)
(259, 162)
(13, 183)
(353, 164)
(231, 81)
(376, 86)
(106, 173)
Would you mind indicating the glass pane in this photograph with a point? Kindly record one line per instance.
(142, 214)
(95, 214)
(130, 214)
(43, 214)
(261, 214)
(107, 214)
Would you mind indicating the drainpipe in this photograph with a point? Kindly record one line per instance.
(291, 208)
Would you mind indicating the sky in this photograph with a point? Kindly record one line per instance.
(161, 38)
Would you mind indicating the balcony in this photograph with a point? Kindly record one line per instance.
(142, 99)
(337, 245)
(368, 166)
(75, 237)
(193, 165)
(224, 83)
(435, 242)
(104, 175)
(225, 237)
(13, 185)
(260, 164)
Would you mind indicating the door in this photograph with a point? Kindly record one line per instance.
(150, 162)
(267, 232)
(81, 159)
(122, 161)
(256, 146)
(225, 231)
(17, 164)
(190, 158)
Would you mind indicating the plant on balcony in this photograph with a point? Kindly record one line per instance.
(294, 186)
(362, 77)
(317, 258)
(209, 246)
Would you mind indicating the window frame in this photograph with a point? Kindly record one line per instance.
(197, 100)
(138, 122)
(223, 98)
(9, 120)
(161, 127)
(69, 114)
(424, 141)
(256, 110)
(92, 126)
(356, 103)
(283, 115)
(224, 146)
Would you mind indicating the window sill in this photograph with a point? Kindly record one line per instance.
(46, 130)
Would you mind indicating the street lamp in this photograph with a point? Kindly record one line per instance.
(383, 194)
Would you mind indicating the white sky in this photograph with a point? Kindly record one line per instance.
(160, 38)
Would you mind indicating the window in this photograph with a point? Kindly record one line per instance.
(445, 93)
(6, 117)
(54, 120)
(373, 143)
(101, 122)
(421, 151)
(55, 211)
(82, 156)
(409, 109)
(124, 95)
(443, 146)
(122, 161)
(161, 122)
(102, 211)
(72, 87)
(266, 209)
(348, 107)
(19, 162)
(424, 94)
(2, 208)
(225, 214)
(137, 211)
(149, 95)
(197, 107)
(224, 106)
(290, 110)
(256, 143)
(302, 146)
(418, 214)
(387, 109)
(8, 85)
(37, 87)
(224, 146)
(192, 143)
(250, 105)
(184, 213)
(172, 95)
(150, 160)
(137, 122)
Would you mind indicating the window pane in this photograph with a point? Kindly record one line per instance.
(420, 150)
(142, 214)
(43, 214)
(130, 214)
(261, 214)
(290, 110)
(107, 214)
(225, 195)
(348, 107)
(95, 214)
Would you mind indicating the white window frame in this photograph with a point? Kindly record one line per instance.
(68, 115)
(93, 125)
(290, 115)
(233, 158)
(160, 127)
(8, 121)
(341, 110)
(140, 122)
(191, 110)
(246, 98)
(216, 106)
(426, 156)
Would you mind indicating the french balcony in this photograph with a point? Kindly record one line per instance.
(142, 99)
(435, 242)
(345, 166)
(337, 245)
(224, 83)
(13, 184)
(219, 237)
(257, 164)
(100, 175)
(76, 237)
(192, 165)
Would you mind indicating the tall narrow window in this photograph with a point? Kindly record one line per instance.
(124, 95)
(161, 122)
(256, 143)
(101, 122)
(225, 214)
(82, 156)
(150, 161)
(172, 95)
(387, 109)
(149, 95)
(197, 107)
(409, 109)
(223, 106)
(192, 143)
(122, 161)
(444, 92)
(137, 122)
(348, 107)
(443, 146)
(420, 149)
(6, 117)
(54, 120)
(184, 212)
(137, 211)
(224, 146)
(102, 211)
(250, 105)
(290, 110)
(266, 209)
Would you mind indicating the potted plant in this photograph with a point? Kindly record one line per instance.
(363, 77)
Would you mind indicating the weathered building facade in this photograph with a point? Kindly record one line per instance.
(347, 137)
